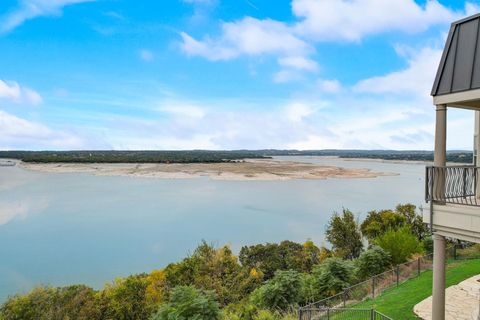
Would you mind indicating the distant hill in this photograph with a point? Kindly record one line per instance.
(210, 156)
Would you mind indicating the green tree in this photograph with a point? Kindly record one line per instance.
(312, 255)
(209, 268)
(401, 244)
(343, 233)
(378, 222)
(125, 298)
(189, 303)
(371, 262)
(279, 293)
(46, 303)
(414, 220)
(288, 255)
(331, 277)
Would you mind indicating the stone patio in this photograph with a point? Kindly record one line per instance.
(462, 302)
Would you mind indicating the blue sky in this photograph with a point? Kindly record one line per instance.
(224, 74)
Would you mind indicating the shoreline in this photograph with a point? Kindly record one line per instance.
(250, 169)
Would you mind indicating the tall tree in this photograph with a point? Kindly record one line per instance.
(344, 235)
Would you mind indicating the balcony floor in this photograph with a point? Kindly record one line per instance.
(455, 221)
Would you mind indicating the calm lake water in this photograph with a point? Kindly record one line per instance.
(66, 228)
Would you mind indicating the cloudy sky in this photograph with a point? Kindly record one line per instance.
(224, 74)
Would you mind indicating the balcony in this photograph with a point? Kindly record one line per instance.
(453, 197)
(452, 184)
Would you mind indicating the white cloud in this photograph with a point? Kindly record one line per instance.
(417, 78)
(351, 20)
(18, 133)
(29, 9)
(12, 91)
(296, 111)
(329, 86)
(315, 142)
(299, 62)
(286, 75)
(248, 36)
(146, 55)
(182, 109)
(318, 20)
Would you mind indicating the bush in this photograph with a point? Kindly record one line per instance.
(371, 262)
(331, 277)
(279, 293)
(264, 315)
(189, 303)
(428, 245)
(401, 244)
(471, 251)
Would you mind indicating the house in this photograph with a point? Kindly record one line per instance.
(453, 192)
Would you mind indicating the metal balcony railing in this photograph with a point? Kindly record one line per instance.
(452, 184)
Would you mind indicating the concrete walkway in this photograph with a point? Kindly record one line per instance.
(462, 302)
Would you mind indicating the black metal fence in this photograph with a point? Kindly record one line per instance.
(452, 184)
(336, 307)
(341, 314)
(374, 286)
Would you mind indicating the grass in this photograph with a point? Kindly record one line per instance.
(398, 302)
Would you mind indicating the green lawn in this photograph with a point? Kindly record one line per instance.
(398, 302)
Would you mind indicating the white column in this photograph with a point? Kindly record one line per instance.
(438, 292)
(476, 140)
(440, 135)
(440, 156)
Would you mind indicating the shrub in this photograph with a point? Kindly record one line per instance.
(401, 244)
(279, 293)
(428, 245)
(189, 303)
(264, 315)
(331, 277)
(371, 262)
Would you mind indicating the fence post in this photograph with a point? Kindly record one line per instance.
(300, 314)
(372, 314)
(455, 252)
(373, 287)
(418, 267)
(398, 274)
(344, 298)
(328, 313)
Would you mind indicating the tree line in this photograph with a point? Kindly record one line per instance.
(211, 156)
(264, 282)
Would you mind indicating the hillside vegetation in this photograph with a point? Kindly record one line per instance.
(265, 281)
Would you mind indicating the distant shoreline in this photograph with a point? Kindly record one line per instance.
(250, 169)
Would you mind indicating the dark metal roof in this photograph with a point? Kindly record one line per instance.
(459, 68)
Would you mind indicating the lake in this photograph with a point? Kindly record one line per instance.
(65, 228)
